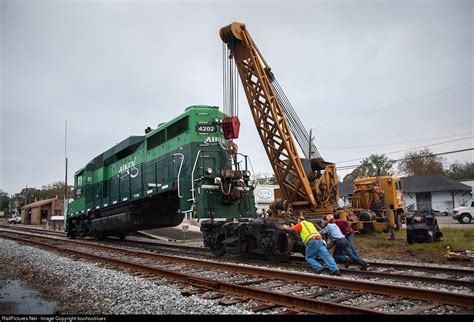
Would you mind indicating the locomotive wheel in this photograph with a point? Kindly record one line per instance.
(218, 248)
(284, 250)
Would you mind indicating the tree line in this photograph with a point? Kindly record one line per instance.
(28, 195)
(414, 163)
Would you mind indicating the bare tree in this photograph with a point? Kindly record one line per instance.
(421, 163)
(461, 170)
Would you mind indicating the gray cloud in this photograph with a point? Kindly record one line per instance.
(113, 68)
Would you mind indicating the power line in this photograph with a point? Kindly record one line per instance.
(347, 167)
(397, 104)
(405, 133)
(469, 137)
(395, 143)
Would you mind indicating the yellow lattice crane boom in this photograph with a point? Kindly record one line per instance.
(312, 191)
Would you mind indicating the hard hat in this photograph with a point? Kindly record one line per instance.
(328, 218)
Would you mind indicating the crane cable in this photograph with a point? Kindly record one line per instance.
(229, 82)
(296, 126)
(231, 102)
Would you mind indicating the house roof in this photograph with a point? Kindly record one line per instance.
(432, 183)
(39, 203)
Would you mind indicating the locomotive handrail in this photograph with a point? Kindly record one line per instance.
(179, 171)
(192, 177)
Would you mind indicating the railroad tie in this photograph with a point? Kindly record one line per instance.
(263, 307)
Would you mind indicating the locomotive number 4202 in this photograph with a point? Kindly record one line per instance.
(206, 128)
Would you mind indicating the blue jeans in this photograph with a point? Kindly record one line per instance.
(343, 248)
(350, 239)
(316, 248)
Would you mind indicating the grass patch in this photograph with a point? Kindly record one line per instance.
(455, 238)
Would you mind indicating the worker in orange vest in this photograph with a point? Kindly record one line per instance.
(315, 246)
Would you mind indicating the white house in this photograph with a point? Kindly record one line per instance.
(436, 192)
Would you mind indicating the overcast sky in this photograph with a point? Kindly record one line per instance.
(367, 76)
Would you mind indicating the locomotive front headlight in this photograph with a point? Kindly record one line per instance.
(209, 170)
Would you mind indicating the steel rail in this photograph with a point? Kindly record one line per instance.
(403, 277)
(415, 278)
(282, 299)
(365, 286)
(448, 270)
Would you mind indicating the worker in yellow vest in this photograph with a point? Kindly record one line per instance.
(315, 246)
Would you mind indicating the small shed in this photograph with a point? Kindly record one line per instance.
(40, 212)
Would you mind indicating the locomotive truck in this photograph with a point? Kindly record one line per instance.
(180, 169)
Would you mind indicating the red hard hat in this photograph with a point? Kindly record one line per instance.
(328, 218)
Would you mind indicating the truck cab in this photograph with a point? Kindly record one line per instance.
(465, 212)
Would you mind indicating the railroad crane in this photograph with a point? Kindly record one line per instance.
(308, 186)
(308, 191)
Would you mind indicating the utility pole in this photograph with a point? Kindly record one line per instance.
(65, 158)
(310, 143)
(26, 199)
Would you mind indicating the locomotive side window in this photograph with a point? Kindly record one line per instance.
(78, 190)
(156, 139)
(177, 128)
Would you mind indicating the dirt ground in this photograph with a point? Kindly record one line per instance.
(398, 250)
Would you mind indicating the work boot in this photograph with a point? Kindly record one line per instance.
(335, 273)
(347, 263)
(364, 267)
(318, 271)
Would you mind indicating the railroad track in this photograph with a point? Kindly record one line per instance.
(291, 292)
(410, 274)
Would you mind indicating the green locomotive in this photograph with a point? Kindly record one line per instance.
(182, 169)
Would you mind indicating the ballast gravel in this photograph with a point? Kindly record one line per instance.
(88, 288)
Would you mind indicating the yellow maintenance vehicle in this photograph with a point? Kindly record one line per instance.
(376, 204)
(307, 186)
